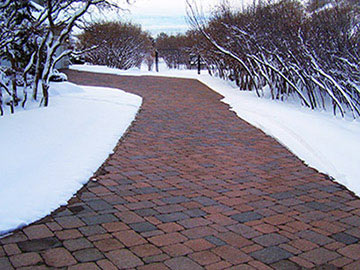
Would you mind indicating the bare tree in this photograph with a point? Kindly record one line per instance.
(60, 17)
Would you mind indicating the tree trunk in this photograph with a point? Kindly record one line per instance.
(45, 89)
(36, 85)
(37, 72)
(1, 102)
(14, 90)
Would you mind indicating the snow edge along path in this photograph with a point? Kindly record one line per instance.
(55, 150)
(327, 143)
(321, 140)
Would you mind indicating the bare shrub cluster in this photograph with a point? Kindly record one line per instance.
(311, 51)
(116, 44)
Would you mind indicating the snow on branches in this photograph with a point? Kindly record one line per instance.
(31, 36)
(287, 48)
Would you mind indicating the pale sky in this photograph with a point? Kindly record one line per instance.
(172, 7)
(168, 16)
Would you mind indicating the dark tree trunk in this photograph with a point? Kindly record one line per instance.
(45, 89)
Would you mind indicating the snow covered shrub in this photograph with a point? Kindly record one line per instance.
(13, 89)
(57, 76)
(16, 46)
(33, 40)
(283, 47)
(115, 44)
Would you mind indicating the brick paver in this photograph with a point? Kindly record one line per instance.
(192, 186)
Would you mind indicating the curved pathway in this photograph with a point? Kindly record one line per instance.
(191, 186)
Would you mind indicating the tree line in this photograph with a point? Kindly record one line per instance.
(279, 48)
(125, 45)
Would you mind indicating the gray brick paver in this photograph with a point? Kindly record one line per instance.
(246, 216)
(88, 255)
(143, 227)
(39, 244)
(5, 264)
(271, 239)
(271, 255)
(181, 263)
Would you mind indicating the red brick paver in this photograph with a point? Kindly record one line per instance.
(192, 186)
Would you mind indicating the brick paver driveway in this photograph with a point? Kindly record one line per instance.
(191, 186)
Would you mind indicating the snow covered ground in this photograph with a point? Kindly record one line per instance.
(325, 142)
(47, 154)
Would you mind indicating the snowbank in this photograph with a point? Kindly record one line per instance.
(325, 142)
(49, 153)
